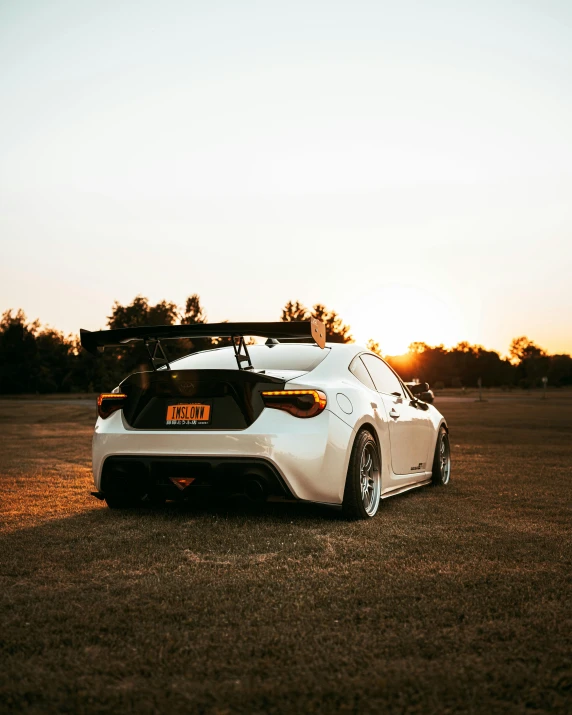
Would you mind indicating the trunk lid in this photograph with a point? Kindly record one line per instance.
(202, 399)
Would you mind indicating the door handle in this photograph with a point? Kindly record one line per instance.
(393, 413)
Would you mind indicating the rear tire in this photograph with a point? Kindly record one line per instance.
(442, 461)
(363, 482)
(122, 501)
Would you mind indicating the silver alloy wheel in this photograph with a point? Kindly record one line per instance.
(445, 458)
(370, 481)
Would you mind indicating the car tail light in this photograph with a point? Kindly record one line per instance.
(110, 402)
(300, 403)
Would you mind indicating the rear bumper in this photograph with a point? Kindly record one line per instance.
(167, 477)
(309, 457)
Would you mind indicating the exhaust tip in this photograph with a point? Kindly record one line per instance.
(254, 489)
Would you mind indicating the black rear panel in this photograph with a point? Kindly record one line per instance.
(233, 397)
(130, 475)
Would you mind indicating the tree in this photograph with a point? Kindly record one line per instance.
(54, 361)
(40, 359)
(531, 361)
(374, 346)
(194, 311)
(140, 313)
(18, 352)
(465, 347)
(418, 348)
(294, 311)
(524, 349)
(336, 330)
(560, 371)
(33, 359)
(471, 362)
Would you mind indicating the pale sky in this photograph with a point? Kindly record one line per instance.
(409, 164)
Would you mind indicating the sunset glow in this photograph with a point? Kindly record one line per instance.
(398, 313)
(336, 155)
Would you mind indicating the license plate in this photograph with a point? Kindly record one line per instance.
(188, 414)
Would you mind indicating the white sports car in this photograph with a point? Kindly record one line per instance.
(320, 422)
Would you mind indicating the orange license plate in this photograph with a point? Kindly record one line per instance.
(188, 414)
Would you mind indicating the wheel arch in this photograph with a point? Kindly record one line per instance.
(369, 427)
(354, 502)
(444, 425)
(433, 443)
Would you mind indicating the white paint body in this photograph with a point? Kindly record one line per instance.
(311, 455)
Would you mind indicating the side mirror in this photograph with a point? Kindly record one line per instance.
(419, 389)
(427, 396)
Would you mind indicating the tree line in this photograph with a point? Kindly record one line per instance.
(39, 359)
(465, 364)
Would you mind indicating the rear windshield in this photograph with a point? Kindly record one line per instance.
(302, 358)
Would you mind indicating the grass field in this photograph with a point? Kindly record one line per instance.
(450, 600)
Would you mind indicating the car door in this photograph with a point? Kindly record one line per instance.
(410, 427)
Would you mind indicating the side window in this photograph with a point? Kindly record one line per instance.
(357, 368)
(385, 379)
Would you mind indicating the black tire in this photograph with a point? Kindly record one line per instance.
(360, 503)
(441, 475)
(122, 501)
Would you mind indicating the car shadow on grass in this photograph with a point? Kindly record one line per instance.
(176, 534)
(240, 508)
(231, 526)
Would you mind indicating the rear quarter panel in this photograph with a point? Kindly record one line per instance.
(367, 411)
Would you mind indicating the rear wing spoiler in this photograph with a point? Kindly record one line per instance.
(95, 342)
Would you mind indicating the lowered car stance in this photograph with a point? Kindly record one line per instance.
(312, 421)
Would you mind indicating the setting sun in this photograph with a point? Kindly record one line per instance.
(398, 313)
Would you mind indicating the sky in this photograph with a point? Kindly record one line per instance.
(408, 164)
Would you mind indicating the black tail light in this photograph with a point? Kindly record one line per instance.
(110, 402)
(300, 403)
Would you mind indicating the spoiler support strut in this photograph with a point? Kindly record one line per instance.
(157, 354)
(241, 352)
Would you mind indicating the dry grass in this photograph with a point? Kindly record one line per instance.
(451, 600)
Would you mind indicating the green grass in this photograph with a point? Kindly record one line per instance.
(450, 600)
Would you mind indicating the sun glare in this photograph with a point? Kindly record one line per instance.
(397, 314)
